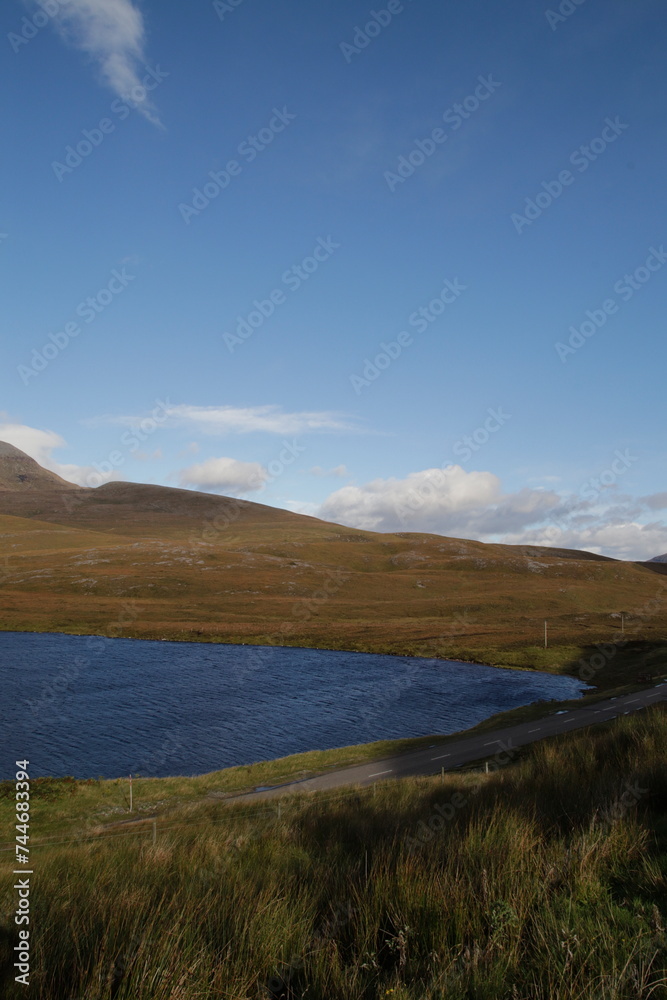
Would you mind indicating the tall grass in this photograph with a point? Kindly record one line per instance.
(546, 880)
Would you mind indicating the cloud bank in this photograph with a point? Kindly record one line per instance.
(464, 504)
(449, 501)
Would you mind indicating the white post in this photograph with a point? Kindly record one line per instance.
(486, 767)
(130, 793)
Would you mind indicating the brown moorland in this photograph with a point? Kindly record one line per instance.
(155, 562)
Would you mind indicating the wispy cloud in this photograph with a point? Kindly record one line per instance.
(112, 33)
(222, 420)
(340, 471)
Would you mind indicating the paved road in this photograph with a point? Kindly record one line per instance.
(496, 745)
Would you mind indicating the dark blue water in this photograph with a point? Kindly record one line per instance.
(91, 707)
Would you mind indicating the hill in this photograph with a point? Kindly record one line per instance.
(21, 474)
(156, 562)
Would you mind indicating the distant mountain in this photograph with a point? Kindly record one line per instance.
(659, 558)
(21, 474)
(157, 562)
(139, 509)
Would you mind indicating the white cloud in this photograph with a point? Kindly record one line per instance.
(340, 471)
(432, 500)
(225, 475)
(34, 442)
(446, 501)
(464, 504)
(39, 444)
(112, 33)
(268, 419)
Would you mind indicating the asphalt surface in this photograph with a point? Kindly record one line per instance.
(494, 746)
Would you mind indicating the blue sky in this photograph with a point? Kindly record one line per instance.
(217, 214)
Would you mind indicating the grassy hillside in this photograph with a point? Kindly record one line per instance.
(544, 880)
(153, 562)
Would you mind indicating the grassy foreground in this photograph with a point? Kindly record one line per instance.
(545, 880)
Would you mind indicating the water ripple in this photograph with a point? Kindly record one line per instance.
(106, 707)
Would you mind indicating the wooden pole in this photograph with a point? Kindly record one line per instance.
(545, 634)
(154, 831)
(130, 793)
